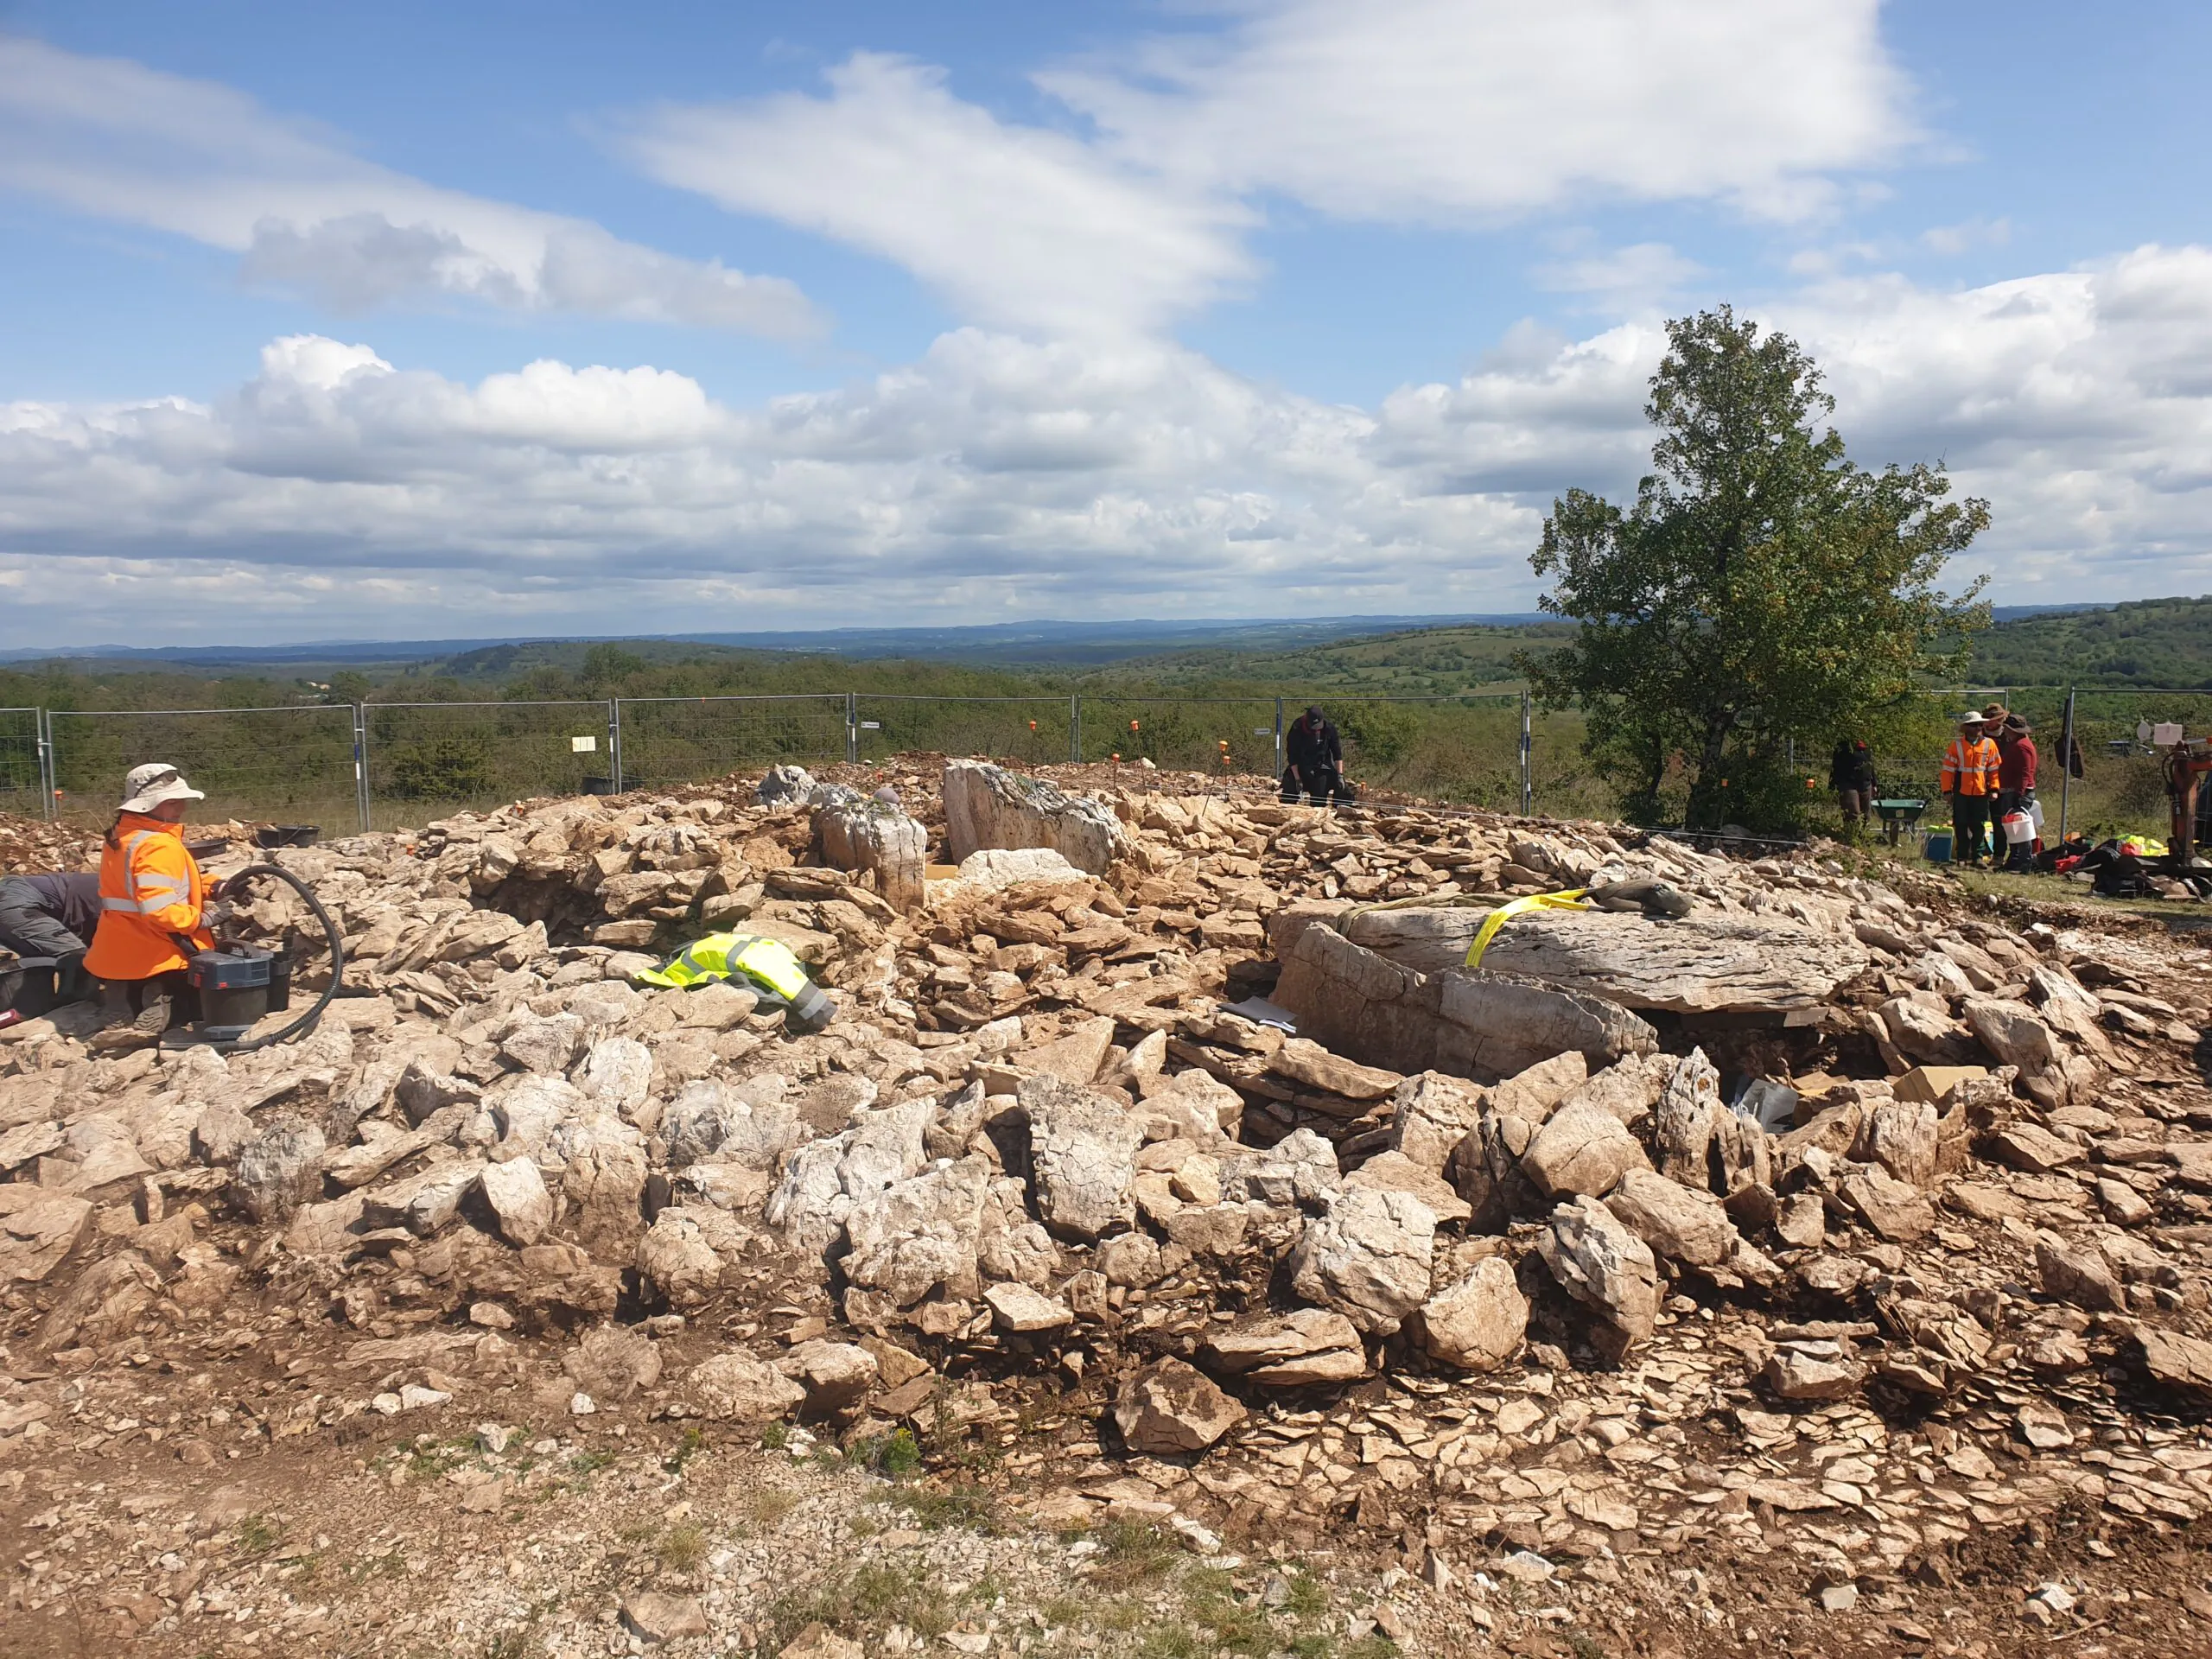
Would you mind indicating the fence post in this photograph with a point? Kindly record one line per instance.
(614, 743)
(1279, 760)
(2065, 762)
(1075, 731)
(852, 729)
(361, 764)
(1528, 788)
(45, 764)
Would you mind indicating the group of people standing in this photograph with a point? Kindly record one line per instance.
(1989, 775)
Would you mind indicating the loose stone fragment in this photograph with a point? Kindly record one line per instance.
(835, 1374)
(654, 1618)
(1308, 1345)
(737, 1387)
(1607, 1268)
(1368, 1255)
(1582, 1149)
(1019, 1308)
(1168, 1407)
(517, 1195)
(1477, 1324)
(1802, 1376)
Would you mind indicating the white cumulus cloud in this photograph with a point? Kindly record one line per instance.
(1134, 213)
(999, 477)
(1019, 226)
(115, 140)
(1448, 111)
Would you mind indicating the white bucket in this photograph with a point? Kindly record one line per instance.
(2019, 828)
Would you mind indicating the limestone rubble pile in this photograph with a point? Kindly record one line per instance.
(1932, 1167)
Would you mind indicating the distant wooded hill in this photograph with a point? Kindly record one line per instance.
(2163, 642)
(2150, 642)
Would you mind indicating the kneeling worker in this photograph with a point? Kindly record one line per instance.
(151, 899)
(1316, 755)
(52, 916)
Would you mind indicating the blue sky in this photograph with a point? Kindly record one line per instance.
(346, 321)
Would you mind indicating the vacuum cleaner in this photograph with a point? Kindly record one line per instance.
(239, 985)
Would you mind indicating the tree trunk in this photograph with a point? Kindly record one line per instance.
(1711, 761)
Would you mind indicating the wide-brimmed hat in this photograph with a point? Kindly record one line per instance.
(149, 785)
(2015, 723)
(1972, 718)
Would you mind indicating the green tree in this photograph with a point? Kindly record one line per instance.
(1762, 590)
(606, 666)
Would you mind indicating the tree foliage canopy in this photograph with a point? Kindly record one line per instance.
(1761, 589)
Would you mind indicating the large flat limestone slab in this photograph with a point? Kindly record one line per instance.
(1707, 962)
(1481, 1025)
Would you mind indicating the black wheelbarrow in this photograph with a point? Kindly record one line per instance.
(1899, 814)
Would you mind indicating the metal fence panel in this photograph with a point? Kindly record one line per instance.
(1562, 782)
(23, 772)
(2122, 786)
(294, 765)
(695, 739)
(1183, 733)
(338, 767)
(1465, 749)
(426, 760)
(1039, 731)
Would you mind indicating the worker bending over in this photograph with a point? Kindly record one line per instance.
(52, 916)
(1970, 779)
(152, 900)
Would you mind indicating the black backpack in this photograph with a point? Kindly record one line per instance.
(2122, 877)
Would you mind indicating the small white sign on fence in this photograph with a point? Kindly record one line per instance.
(584, 745)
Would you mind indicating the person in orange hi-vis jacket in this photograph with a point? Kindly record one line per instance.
(1970, 780)
(152, 903)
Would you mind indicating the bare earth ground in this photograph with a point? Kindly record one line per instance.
(264, 1466)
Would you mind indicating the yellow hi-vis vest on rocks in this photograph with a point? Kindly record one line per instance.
(767, 965)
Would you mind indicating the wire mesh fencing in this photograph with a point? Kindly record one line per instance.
(1462, 749)
(22, 768)
(1221, 736)
(694, 740)
(2116, 783)
(294, 765)
(1564, 782)
(426, 760)
(389, 764)
(1037, 731)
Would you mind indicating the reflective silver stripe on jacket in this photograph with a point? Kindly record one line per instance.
(153, 895)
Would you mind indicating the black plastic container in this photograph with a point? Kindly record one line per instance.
(236, 989)
(288, 835)
(29, 985)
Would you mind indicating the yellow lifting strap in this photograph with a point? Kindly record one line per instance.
(1571, 899)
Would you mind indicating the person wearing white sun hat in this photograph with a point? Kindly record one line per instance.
(152, 900)
(1969, 778)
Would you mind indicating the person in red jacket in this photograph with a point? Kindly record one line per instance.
(1969, 780)
(2016, 785)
